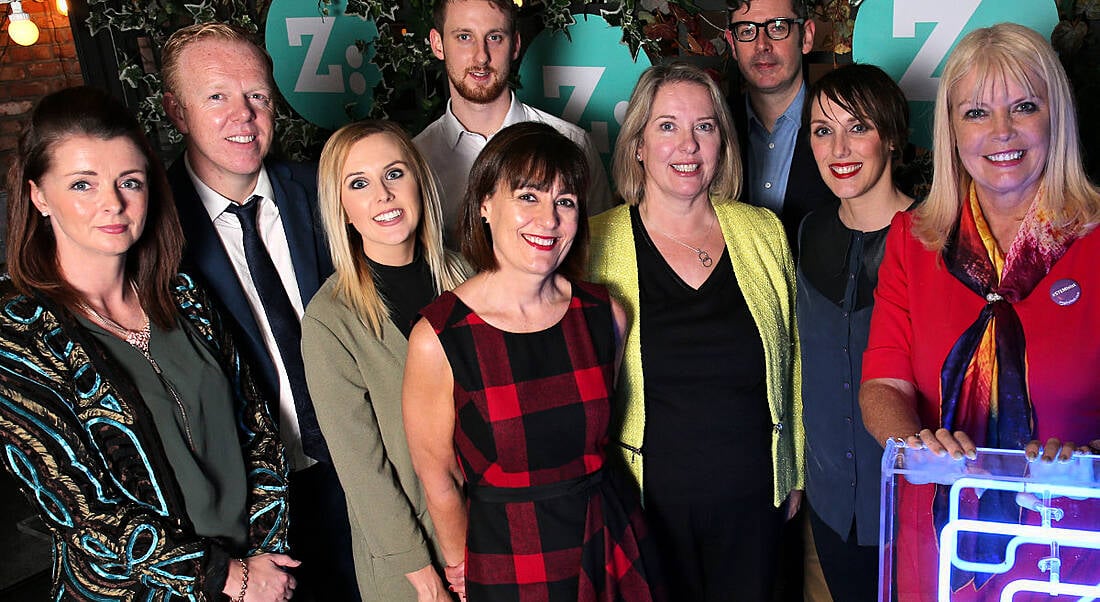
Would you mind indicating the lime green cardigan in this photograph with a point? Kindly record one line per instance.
(762, 263)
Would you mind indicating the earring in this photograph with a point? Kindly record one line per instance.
(484, 220)
(45, 214)
(638, 157)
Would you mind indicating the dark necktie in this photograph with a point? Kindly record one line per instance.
(284, 325)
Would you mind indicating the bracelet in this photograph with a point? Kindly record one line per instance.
(244, 579)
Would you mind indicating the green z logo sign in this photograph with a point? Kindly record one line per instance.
(911, 40)
(322, 62)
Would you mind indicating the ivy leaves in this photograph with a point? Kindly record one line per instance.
(413, 80)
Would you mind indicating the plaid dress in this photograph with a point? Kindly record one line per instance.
(546, 522)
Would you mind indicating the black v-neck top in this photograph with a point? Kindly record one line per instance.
(708, 426)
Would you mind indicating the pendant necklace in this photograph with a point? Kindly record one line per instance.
(139, 339)
(704, 257)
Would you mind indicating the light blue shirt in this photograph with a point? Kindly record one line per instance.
(770, 154)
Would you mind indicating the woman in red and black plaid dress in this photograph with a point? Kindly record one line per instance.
(514, 371)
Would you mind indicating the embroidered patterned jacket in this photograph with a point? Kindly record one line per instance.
(84, 449)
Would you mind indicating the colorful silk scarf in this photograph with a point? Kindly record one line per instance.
(983, 383)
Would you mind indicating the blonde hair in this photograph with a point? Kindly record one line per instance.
(999, 54)
(354, 278)
(628, 172)
(199, 32)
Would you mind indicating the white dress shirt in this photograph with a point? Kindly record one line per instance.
(450, 150)
(270, 228)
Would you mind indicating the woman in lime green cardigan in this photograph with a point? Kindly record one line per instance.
(709, 394)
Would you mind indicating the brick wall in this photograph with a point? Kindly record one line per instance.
(28, 73)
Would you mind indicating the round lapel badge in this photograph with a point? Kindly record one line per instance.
(1065, 292)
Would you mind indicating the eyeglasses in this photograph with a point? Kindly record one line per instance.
(776, 29)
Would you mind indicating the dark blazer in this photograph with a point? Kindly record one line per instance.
(295, 189)
(806, 190)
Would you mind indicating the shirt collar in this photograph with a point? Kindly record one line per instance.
(215, 203)
(792, 114)
(516, 114)
(453, 130)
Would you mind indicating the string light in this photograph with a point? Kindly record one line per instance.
(63, 8)
(21, 29)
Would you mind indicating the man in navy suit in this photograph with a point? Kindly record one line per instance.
(255, 239)
(769, 38)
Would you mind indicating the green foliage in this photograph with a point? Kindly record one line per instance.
(413, 86)
(556, 14)
(140, 28)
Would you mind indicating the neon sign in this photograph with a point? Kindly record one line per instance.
(1044, 540)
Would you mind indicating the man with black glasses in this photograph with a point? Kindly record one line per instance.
(769, 38)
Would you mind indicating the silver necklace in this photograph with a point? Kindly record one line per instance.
(139, 339)
(701, 253)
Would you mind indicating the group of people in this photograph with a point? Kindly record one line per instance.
(250, 379)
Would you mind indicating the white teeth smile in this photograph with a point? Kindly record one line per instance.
(1006, 156)
(241, 139)
(388, 216)
(846, 169)
(685, 168)
(538, 240)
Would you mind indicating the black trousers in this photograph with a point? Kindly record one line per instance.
(851, 570)
(718, 550)
(320, 536)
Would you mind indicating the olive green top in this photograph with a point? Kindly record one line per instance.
(201, 440)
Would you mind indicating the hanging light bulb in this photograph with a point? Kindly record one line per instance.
(63, 8)
(21, 29)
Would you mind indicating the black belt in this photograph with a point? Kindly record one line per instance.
(534, 493)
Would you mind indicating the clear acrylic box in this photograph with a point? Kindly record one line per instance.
(996, 528)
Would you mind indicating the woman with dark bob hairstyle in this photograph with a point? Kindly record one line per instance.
(859, 123)
(984, 331)
(126, 415)
(514, 370)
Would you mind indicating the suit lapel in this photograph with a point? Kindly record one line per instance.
(295, 211)
(205, 254)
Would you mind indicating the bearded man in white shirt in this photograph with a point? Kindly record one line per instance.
(477, 42)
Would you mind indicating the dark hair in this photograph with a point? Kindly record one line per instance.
(534, 154)
(151, 263)
(868, 94)
(799, 7)
(439, 12)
